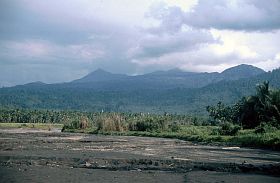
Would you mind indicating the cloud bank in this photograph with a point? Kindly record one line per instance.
(58, 41)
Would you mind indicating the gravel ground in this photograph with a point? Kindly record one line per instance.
(51, 156)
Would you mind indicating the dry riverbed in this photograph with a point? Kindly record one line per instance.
(50, 156)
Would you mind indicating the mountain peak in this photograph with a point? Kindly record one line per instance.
(242, 71)
(35, 83)
(99, 70)
(176, 69)
(244, 67)
(99, 75)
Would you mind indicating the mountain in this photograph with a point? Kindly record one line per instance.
(241, 71)
(152, 92)
(170, 79)
(36, 83)
(100, 75)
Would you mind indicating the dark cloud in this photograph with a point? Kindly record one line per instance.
(156, 45)
(49, 40)
(169, 36)
(247, 15)
(20, 20)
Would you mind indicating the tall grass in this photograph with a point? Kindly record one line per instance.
(166, 126)
(111, 122)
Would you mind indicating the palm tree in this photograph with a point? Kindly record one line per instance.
(263, 107)
(274, 107)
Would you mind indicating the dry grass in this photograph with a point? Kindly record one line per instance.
(84, 123)
(113, 122)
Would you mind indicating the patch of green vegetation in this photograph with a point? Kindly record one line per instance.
(266, 140)
(41, 126)
(250, 112)
(203, 134)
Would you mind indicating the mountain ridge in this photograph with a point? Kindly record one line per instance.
(241, 71)
(99, 75)
(102, 75)
(174, 78)
(172, 100)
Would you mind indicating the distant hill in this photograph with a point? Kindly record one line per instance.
(162, 91)
(100, 75)
(174, 78)
(241, 71)
(36, 83)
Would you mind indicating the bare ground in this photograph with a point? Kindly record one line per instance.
(51, 156)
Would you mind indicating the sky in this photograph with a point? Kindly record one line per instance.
(62, 40)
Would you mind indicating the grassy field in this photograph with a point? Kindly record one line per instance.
(265, 136)
(203, 134)
(41, 126)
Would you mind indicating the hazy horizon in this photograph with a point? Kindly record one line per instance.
(59, 41)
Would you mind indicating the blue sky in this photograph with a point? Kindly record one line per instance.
(62, 40)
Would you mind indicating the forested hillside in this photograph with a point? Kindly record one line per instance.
(173, 100)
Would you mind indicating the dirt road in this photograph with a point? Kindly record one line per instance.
(42, 156)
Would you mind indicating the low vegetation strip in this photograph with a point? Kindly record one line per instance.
(245, 138)
(40, 126)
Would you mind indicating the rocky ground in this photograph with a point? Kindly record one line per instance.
(51, 156)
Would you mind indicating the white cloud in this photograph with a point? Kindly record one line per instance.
(233, 42)
(270, 64)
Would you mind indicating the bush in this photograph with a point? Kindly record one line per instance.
(174, 127)
(229, 129)
(265, 128)
(148, 124)
(81, 123)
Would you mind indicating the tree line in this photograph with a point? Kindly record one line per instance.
(250, 111)
(72, 117)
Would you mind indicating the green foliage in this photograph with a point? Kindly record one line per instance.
(43, 126)
(229, 129)
(220, 112)
(252, 110)
(80, 123)
(174, 127)
(264, 140)
(262, 107)
(147, 123)
(265, 128)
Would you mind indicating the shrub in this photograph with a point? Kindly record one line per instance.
(265, 128)
(229, 129)
(148, 124)
(174, 127)
(24, 125)
(81, 123)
